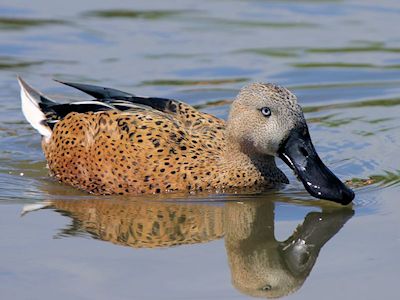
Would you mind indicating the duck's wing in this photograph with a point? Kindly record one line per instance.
(43, 112)
(122, 100)
(188, 115)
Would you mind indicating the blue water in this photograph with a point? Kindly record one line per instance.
(341, 59)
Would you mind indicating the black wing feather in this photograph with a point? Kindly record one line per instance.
(57, 112)
(107, 95)
(97, 91)
(61, 110)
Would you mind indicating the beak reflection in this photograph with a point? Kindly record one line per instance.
(262, 266)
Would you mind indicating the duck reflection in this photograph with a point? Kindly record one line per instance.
(142, 224)
(260, 265)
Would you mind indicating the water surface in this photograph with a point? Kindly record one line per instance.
(342, 60)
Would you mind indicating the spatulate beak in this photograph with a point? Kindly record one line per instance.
(299, 154)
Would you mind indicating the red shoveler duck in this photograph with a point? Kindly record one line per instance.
(120, 143)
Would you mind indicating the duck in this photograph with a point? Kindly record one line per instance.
(120, 143)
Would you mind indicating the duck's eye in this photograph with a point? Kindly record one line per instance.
(266, 111)
(266, 288)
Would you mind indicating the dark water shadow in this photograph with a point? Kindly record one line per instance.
(135, 14)
(176, 82)
(223, 23)
(10, 63)
(17, 23)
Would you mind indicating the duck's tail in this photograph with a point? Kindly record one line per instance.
(33, 103)
(43, 113)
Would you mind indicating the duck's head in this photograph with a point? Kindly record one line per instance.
(266, 119)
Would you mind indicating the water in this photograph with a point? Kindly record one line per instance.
(341, 58)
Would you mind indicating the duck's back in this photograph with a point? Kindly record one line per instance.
(136, 150)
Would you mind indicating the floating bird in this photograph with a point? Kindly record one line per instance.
(120, 143)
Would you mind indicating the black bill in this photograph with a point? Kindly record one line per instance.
(299, 154)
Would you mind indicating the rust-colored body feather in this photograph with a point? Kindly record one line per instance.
(138, 151)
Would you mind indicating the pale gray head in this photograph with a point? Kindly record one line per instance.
(262, 117)
(266, 120)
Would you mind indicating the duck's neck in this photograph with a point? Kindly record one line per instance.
(252, 167)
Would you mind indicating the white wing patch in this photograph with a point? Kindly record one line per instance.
(92, 102)
(33, 113)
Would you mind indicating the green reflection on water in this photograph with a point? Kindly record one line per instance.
(365, 103)
(22, 23)
(213, 103)
(171, 55)
(295, 51)
(379, 120)
(343, 65)
(273, 52)
(193, 82)
(135, 14)
(9, 63)
(369, 48)
(12, 63)
(345, 85)
(328, 121)
(363, 133)
(253, 23)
